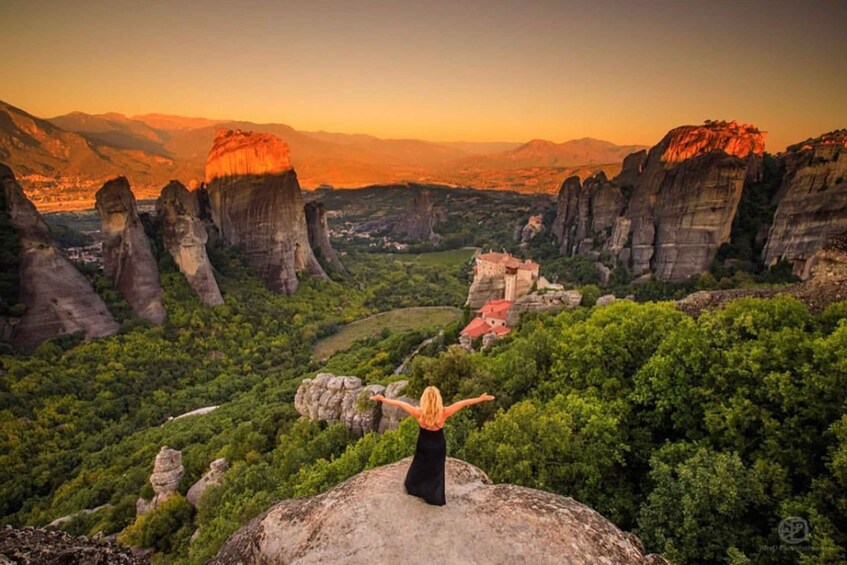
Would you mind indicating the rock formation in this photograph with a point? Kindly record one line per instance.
(370, 518)
(167, 472)
(319, 234)
(344, 399)
(214, 477)
(669, 212)
(59, 300)
(586, 213)
(36, 546)
(812, 201)
(128, 260)
(550, 301)
(257, 206)
(534, 226)
(418, 225)
(185, 238)
(827, 285)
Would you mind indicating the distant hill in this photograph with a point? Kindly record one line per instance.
(67, 158)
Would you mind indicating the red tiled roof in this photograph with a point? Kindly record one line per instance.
(479, 327)
(501, 330)
(496, 309)
(476, 328)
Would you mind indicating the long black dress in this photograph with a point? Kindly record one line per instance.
(426, 473)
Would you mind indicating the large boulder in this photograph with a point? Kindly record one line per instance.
(128, 259)
(257, 206)
(185, 238)
(330, 398)
(167, 472)
(214, 477)
(59, 300)
(419, 223)
(812, 201)
(370, 518)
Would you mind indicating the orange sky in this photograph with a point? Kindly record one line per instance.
(458, 70)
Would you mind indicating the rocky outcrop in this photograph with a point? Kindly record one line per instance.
(318, 229)
(256, 205)
(59, 300)
(586, 213)
(550, 301)
(37, 546)
(345, 399)
(534, 226)
(370, 518)
(214, 477)
(185, 238)
(128, 259)
(812, 201)
(828, 284)
(418, 225)
(669, 210)
(167, 472)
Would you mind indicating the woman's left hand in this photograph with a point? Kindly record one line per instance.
(378, 397)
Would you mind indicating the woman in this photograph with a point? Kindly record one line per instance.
(426, 474)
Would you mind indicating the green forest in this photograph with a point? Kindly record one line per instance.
(699, 435)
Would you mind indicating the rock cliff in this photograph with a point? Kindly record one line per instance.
(59, 300)
(369, 518)
(185, 238)
(812, 201)
(319, 234)
(128, 259)
(167, 472)
(827, 285)
(256, 205)
(670, 209)
(419, 223)
(346, 399)
(586, 213)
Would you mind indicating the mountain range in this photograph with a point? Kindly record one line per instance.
(62, 161)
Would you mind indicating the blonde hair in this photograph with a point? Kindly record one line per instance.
(432, 407)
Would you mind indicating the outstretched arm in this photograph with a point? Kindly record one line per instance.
(405, 406)
(456, 406)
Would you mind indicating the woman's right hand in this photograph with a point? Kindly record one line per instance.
(486, 396)
(378, 397)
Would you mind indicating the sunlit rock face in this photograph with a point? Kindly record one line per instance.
(370, 519)
(256, 204)
(668, 210)
(59, 300)
(686, 196)
(128, 259)
(185, 237)
(318, 229)
(812, 201)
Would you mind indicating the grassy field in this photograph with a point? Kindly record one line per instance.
(450, 257)
(402, 319)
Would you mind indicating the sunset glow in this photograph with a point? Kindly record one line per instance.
(446, 71)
